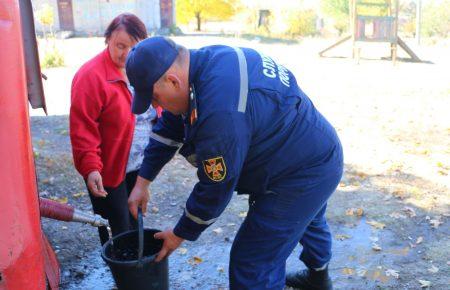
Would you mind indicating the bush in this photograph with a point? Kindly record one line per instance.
(436, 19)
(52, 58)
(301, 23)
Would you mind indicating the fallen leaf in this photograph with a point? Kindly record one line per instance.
(409, 211)
(376, 247)
(355, 183)
(354, 211)
(393, 273)
(60, 199)
(361, 175)
(433, 269)
(397, 215)
(435, 223)
(182, 251)
(341, 237)
(361, 272)
(79, 194)
(419, 240)
(155, 209)
(243, 214)
(399, 193)
(376, 224)
(348, 271)
(442, 172)
(218, 231)
(424, 283)
(197, 260)
(220, 269)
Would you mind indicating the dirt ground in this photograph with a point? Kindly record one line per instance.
(389, 215)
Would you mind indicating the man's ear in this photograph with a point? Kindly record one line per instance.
(174, 80)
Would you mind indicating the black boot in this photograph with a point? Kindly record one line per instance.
(310, 279)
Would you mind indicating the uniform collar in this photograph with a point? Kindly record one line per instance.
(193, 65)
(191, 118)
(111, 71)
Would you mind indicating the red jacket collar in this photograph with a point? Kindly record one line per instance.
(112, 72)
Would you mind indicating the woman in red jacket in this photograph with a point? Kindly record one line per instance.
(108, 141)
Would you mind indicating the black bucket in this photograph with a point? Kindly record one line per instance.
(132, 260)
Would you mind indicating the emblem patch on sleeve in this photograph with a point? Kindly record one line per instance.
(215, 168)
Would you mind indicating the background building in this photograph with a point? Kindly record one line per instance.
(91, 17)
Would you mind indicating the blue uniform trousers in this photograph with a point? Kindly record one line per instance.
(275, 223)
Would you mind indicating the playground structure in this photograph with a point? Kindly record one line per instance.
(374, 21)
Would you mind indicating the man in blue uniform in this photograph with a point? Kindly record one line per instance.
(242, 120)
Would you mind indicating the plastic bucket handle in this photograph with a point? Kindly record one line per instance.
(140, 237)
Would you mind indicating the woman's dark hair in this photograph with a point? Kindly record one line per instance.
(131, 23)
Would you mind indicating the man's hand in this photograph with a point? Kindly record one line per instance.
(139, 196)
(95, 184)
(171, 243)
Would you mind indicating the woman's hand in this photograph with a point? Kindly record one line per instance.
(171, 243)
(139, 196)
(95, 184)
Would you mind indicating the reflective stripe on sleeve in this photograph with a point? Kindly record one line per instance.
(243, 91)
(166, 141)
(198, 220)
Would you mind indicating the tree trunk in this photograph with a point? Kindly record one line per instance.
(199, 21)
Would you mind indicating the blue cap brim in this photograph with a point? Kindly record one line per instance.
(141, 101)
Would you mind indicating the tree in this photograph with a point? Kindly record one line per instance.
(436, 19)
(339, 11)
(202, 10)
(45, 17)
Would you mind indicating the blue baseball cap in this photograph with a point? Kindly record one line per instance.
(146, 63)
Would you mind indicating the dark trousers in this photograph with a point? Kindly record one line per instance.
(274, 225)
(114, 207)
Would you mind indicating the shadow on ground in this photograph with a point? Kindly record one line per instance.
(390, 230)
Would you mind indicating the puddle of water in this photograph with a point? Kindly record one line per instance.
(98, 278)
(353, 260)
(209, 273)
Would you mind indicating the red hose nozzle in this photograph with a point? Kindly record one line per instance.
(64, 212)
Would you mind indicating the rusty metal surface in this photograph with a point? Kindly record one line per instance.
(33, 69)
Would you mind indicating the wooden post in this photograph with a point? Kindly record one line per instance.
(394, 49)
(418, 19)
(354, 26)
